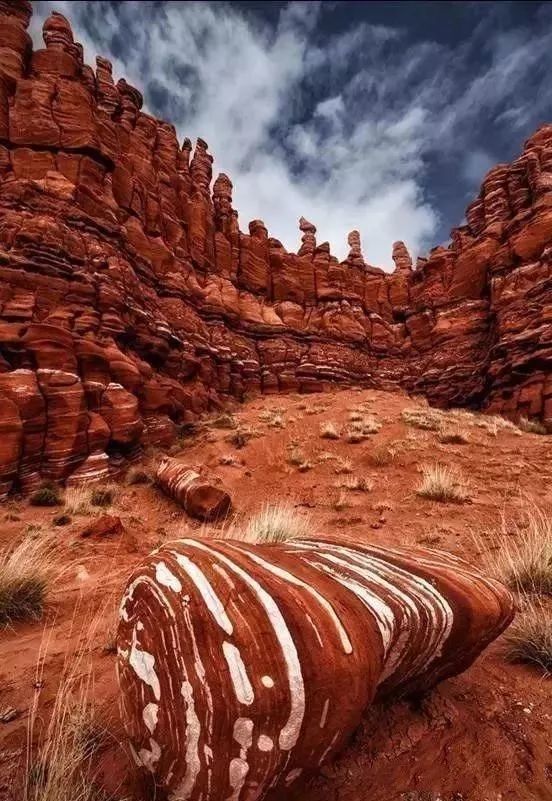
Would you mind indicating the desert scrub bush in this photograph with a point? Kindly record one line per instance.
(48, 495)
(277, 523)
(102, 496)
(421, 418)
(137, 475)
(329, 431)
(62, 519)
(440, 483)
(453, 437)
(532, 426)
(522, 553)
(529, 637)
(355, 416)
(25, 573)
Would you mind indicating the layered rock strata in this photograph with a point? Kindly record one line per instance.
(131, 301)
(242, 667)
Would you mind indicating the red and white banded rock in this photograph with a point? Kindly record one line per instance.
(243, 666)
(199, 498)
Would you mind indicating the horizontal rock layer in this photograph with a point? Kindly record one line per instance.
(130, 301)
(243, 666)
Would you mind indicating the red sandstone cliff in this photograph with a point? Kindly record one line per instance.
(130, 301)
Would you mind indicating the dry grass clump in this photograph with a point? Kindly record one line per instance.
(103, 496)
(47, 495)
(273, 418)
(277, 523)
(453, 437)
(329, 431)
(85, 500)
(341, 502)
(357, 484)
(440, 483)
(359, 430)
(343, 466)
(355, 416)
(382, 456)
(529, 637)
(296, 456)
(522, 553)
(425, 419)
(25, 572)
(532, 426)
(137, 475)
(59, 755)
(240, 437)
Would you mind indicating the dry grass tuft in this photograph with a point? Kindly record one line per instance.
(440, 483)
(529, 637)
(341, 502)
(382, 456)
(86, 500)
(343, 466)
(25, 572)
(357, 484)
(277, 523)
(422, 418)
(329, 431)
(137, 475)
(532, 426)
(453, 437)
(522, 553)
(296, 456)
(59, 756)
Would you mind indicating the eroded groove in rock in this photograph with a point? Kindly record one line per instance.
(130, 301)
(242, 667)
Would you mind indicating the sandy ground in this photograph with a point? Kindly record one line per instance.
(483, 736)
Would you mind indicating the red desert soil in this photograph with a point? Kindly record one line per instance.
(486, 734)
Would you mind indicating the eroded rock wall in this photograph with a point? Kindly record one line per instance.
(130, 301)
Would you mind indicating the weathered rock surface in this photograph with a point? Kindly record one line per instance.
(198, 497)
(131, 302)
(243, 666)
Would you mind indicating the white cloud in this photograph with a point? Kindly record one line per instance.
(354, 153)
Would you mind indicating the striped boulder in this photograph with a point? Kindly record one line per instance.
(198, 497)
(242, 666)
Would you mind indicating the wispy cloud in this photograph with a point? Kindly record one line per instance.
(338, 127)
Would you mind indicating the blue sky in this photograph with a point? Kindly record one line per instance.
(380, 116)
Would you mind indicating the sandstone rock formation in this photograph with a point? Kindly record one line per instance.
(243, 666)
(131, 302)
(198, 497)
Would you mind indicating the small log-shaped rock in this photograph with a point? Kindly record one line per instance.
(242, 667)
(199, 498)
